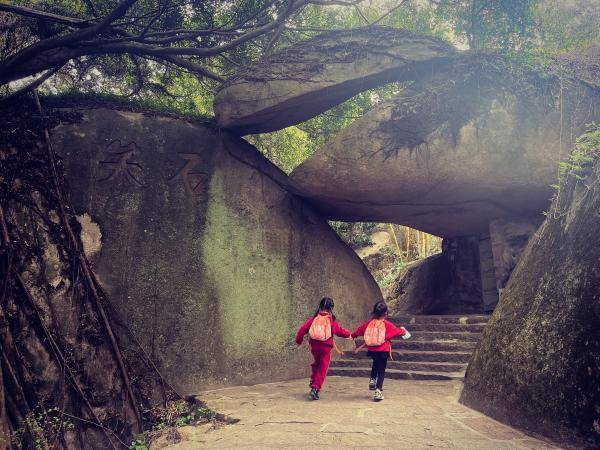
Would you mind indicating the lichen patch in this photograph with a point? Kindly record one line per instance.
(91, 236)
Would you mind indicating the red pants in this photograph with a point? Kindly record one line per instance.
(322, 355)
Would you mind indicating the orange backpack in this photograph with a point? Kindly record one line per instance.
(320, 329)
(375, 333)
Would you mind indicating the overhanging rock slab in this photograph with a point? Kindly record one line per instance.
(308, 78)
(451, 152)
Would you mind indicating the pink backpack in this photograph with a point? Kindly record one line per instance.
(320, 329)
(375, 333)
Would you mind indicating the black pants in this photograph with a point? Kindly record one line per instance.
(379, 365)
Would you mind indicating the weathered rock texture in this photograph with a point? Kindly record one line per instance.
(446, 283)
(60, 374)
(489, 292)
(312, 76)
(470, 144)
(205, 256)
(508, 240)
(538, 363)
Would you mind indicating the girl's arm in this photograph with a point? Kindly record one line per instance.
(338, 330)
(393, 331)
(360, 331)
(303, 330)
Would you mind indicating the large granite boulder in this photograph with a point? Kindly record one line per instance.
(308, 78)
(202, 251)
(537, 365)
(476, 142)
(446, 283)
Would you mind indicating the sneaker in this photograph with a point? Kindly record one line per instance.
(378, 395)
(372, 384)
(314, 394)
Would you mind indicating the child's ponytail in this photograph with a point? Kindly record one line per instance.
(325, 305)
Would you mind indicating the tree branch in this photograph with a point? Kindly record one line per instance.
(77, 36)
(34, 84)
(43, 15)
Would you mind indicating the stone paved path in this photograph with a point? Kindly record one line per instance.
(414, 415)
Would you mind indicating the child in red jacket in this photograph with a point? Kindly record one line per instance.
(378, 332)
(321, 328)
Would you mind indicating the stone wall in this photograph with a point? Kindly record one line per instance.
(447, 283)
(508, 239)
(203, 253)
(537, 365)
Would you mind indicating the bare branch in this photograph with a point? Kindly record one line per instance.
(80, 35)
(43, 15)
(34, 84)
(180, 47)
(360, 13)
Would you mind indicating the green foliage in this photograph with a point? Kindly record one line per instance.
(355, 234)
(178, 413)
(392, 274)
(76, 97)
(586, 151)
(286, 148)
(500, 25)
(42, 428)
(562, 26)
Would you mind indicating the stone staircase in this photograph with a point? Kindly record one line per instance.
(440, 349)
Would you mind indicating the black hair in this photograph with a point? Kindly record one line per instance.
(380, 309)
(326, 305)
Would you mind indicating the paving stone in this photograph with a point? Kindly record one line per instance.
(414, 415)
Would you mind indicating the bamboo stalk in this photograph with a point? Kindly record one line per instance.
(396, 241)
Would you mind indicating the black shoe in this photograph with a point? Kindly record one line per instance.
(372, 384)
(314, 394)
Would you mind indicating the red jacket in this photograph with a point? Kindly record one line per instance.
(335, 329)
(391, 331)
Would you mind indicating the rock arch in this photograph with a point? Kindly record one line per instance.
(470, 148)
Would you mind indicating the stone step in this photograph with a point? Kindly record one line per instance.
(416, 355)
(443, 346)
(403, 365)
(443, 336)
(449, 327)
(435, 336)
(396, 374)
(406, 319)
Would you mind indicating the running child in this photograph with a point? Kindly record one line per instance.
(321, 328)
(378, 332)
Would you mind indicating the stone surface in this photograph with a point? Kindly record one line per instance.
(446, 283)
(204, 254)
(538, 362)
(508, 239)
(487, 272)
(413, 415)
(472, 143)
(312, 76)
